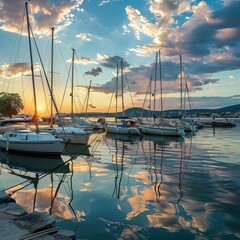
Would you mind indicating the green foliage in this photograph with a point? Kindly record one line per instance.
(10, 104)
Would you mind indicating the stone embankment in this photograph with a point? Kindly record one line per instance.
(17, 224)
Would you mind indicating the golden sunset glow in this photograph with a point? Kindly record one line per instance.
(39, 108)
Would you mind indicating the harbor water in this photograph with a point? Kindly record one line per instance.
(130, 187)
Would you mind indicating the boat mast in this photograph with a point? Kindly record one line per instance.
(73, 51)
(155, 86)
(181, 109)
(116, 96)
(35, 117)
(51, 123)
(123, 108)
(88, 93)
(150, 97)
(160, 75)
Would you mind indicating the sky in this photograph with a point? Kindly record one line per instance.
(205, 33)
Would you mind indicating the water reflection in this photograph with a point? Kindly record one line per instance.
(76, 150)
(164, 161)
(158, 177)
(30, 172)
(118, 177)
(33, 163)
(149, 188)
(122, 137)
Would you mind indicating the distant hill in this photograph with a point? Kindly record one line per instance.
(137, 112)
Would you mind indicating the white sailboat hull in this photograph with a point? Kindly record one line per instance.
(122, 130)
(75, 138)
(31, 142)
(85, 123)
(161, 130)
(72, 134)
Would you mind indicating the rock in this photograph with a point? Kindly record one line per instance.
(12, 208)
(16, 223)
(5, 198)
(44, 234)
(5, 216)
(65, 234)
(10, 231)
(47, 237)
(36, 221)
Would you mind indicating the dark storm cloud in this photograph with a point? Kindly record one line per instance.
(170, 71)
(110, 86)
(199, 67)
(200, 40)
(198, 89)
(139, 77)
(94, 72)
(111, 62)
(203, 82)
(236, 51)
(204, 37)
(106, 88)
(229, 15)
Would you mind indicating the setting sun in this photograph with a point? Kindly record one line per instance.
(39, 108)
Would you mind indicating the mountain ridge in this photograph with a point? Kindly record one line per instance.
(138, 111)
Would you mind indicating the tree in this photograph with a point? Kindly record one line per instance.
(10, 104)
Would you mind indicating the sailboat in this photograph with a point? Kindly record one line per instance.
(224, 122)
(160, 127)
(26, 140)
(82, 122)
(189, 124)
(73, 134)
(122, 124)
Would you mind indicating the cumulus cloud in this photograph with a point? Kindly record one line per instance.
(208, 39)
(103, 60)
(103, 2)
(125, 29)
(16, 70)
(111, 61)
(197, 36)
(94, 71)
(83, 60)
(138, 77)
(42, 15)
(139, 23)
(86, 37)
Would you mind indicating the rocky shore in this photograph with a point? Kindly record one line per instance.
(17, 224)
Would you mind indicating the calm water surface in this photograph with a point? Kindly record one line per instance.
(131, 188)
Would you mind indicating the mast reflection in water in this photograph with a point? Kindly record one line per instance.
(138, 188)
